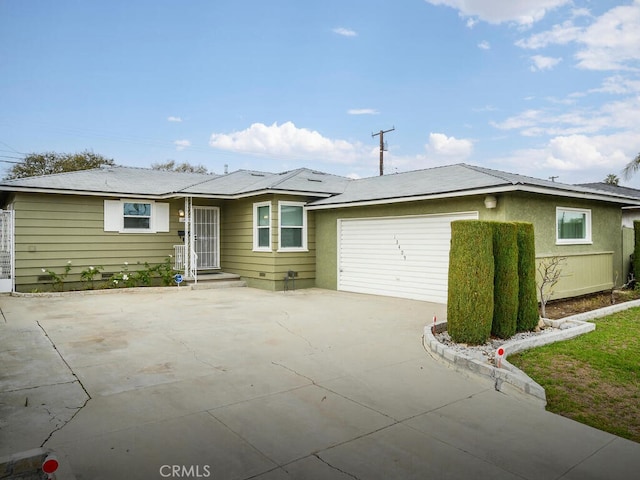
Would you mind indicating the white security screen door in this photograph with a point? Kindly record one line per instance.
(206, 236)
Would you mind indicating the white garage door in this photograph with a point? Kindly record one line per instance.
(404, 257)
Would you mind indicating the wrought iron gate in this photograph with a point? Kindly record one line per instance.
(6, 251)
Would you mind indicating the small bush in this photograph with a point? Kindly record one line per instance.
(505, 293)
(471, 268)
(528, 315)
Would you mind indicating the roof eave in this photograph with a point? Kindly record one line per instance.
(61, 191)
(480, 191)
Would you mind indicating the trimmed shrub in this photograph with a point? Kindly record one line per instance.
(505, 282)
(528, 315)
(470, 296)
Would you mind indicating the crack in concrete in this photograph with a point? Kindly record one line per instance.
(84, 404)
(292, 332)
(198, 359)
(334, 467)
(313, 382)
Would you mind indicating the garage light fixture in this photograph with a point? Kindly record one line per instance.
(490, 201)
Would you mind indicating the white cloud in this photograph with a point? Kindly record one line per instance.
(522, 12)
(622, 114)
(610, 42)
(442, 146)
(528, 118)
(289, 141)
(613, 40)
(345, 32)
(543, 63)
(618, 85)
(182, 144)
(484, 45)
(576, 158)
(558, 35)
(174, 119)
(363, 111)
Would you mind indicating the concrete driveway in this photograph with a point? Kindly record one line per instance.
(241, 383)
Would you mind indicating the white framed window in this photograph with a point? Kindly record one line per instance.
(292, 227)
(573, 226)
(262, 227)
(135, 216)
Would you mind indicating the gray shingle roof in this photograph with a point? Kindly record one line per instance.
(332, 190)
(111, 180)
(243, 182)
(617, 189)
(451, 180)
(143, 181)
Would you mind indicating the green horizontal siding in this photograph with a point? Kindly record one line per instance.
(51, 230)
(263, 269)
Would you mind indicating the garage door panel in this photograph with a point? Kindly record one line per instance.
(398, 256)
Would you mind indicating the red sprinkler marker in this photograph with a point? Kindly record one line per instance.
(499, 355)
(50, 465)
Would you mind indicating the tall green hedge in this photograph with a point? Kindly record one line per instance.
(470, 297)
(505, 284)
(528, 315)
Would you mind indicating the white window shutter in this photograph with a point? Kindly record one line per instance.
(161, 217)
(113, 215)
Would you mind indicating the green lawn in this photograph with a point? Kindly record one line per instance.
(595, 378)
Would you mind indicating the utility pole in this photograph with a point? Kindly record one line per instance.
(382, 147)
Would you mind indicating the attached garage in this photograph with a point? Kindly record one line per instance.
(404, 257)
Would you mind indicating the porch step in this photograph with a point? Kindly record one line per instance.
(215, 280)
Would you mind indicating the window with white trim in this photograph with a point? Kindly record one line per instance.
(573, 226)
(292, 219)
(262, 227)
(135, 216)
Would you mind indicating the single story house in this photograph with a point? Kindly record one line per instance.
(386, 235)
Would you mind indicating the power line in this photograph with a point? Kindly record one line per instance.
(12, 149)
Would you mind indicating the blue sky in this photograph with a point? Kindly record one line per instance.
(537, 87)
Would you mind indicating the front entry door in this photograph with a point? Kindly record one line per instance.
(206, 236)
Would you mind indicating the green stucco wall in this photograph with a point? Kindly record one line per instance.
(597, 262)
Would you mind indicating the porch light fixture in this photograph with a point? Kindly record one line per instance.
(490, 201)
(181, 213)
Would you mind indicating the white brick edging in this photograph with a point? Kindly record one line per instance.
(508, 373)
